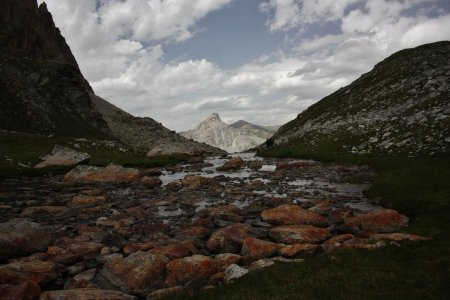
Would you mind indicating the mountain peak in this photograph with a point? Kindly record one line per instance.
(214, 116)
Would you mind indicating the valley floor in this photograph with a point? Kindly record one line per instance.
(188, 214)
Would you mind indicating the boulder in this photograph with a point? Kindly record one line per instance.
(27, 290)
(336, 241)
(151, 182)
(20, 237)
(40, 272)
(111, 174)
(193, 233)
(254, 249)
(229, 213)
(233, 272)
(298, 234)
(292, 215)
(322, 208)
(176, 250)
(228, 239)
(133, 247)
(138, 274)
(224, 260)
(82, 280)
(232, 164)
(41, 211)
(85, 294)
(300, 250)
(193, 270)
(63, 156)
(198, 182)
(383, 220)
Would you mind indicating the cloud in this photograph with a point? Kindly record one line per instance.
(120, 46)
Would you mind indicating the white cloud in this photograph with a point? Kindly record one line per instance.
(120, 49)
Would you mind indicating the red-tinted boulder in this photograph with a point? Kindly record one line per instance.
(224, 260)
(383, 220)
(228, 239)
(37, 271)
(398, 237)
(193, 233)
(193, 270)
(176, 250)
(230, 213)
(297, 234)
(292, 215)
(133, 247)
(336, 241)
(27, 290)
(84, 200)
(138, 274)
(300, 250)
(254, 249)
(110, 174)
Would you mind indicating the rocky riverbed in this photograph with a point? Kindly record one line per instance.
(118, 233)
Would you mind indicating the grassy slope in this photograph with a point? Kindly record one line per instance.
(27, 148)
(416, 187)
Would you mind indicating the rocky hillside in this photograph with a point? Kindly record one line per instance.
(43, 91)
(236, 137)
(401, 107)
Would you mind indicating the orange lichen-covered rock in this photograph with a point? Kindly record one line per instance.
(398, 237)
(176, 250)
(292, 215)
(186, 270)
(254, 249)
(296, 234)
(228, 239)
(300, 250)
(110, 174)
(383, 220)
(336, 241)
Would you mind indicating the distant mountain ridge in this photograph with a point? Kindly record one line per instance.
(43, 91)
(236, 137)
(401, 107)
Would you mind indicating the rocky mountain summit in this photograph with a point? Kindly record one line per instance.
(401, 107)
(43, 91)
(236, 137)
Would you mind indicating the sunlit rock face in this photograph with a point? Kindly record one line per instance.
(236, 137)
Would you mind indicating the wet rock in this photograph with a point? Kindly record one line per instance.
(85, 294)
(40, 272)
(151, 182)
(138, 274)
(63, 156)
(224, 260)
(174, 186)
(110, 174)
(177, 250)
(27, 290)
(397, 237)
(84, 200)
(162, 293)
(20, 237)
(194, 270)
(292, 215)
(228, 239)
(229, 213)
(133, 247)
(232, 165)
(336, 241)
(233, 272)
(198, 182)
(300, 250)
(255, 249)
(41, 211)
(298, 234)
(255, 164)
(383, 220)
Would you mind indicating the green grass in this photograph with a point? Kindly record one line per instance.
(417, 187)
(25, 149)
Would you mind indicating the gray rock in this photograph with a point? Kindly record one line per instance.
(63, 156)
(233, 272)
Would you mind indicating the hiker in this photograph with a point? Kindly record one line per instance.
(269, 143)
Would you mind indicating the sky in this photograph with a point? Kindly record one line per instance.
(263, 61)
